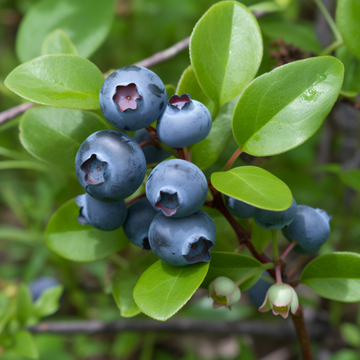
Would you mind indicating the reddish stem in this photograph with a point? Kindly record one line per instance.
(288, 249)
(188, 155)
(134, 199)
(154, 136)
(181, 153)
(232, 159)
(147, 142)
(278, 274)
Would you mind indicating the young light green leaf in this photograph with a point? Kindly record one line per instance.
(334, 276)
(189, 85)
(352, 70)
(348, 20)
(58, 80)
(350, 333)
(54, 135)
(123, 283)
(58, 42)
(24, 307)
(282, 109)
(66, 237)
(255, 186)
(207, 151)
(164, 289)
(225, 50)
(233, 266)
(86, 22)
(48, 302)
(24, 345)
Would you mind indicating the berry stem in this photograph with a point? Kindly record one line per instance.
(147, 142)
(181, 153)
(134, 199)
(288, 249)
(232, 159)
(278, 274)
(275, 245)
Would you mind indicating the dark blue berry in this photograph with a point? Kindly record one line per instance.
(239, 208)
(40, 284)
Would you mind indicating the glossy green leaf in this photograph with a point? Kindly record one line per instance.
(352, 70)
(66, 237)
(24, 305)
(164, 289)
(170, 90)
(233, 266)
(348, 20)
(350, 333)
(58, 80)
(189, 85)
(58, 43)
(206, 152)
(54, 135)
(254, 186)
(123, 283)
(334, 276)
(351, 178)
(24, 345)
(86, 22)
(48, 302)
(226, 50)
(282, 109)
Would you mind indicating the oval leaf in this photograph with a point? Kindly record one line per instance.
(283, 108)
(54, 135)
(233, 266)
(58, 43)
(86, 22)
(348, 20)
(58, 80)
(66, 237)
(334, 276)
(254, 186)
(163, 289)
(123, 283)
(226, 50)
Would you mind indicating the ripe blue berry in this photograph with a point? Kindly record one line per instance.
(257, 292)
(177, 188)
(239, 208)
(272, 220)
(182, 241)
(106, 216)
(184, 122)
(40, 284)
(136, 227)
(310, 229)
(132, 98)
(110, 165)
(152, 154)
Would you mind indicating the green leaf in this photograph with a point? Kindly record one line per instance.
(225, 50)
(206, 152)
(170, 90)
(24, 305)
(164, 289)
(280, 110)
(189, 85)
(86, 22)
(351, 178)
(123, 283)
(347, 20)
(334, 276)
(255, 186)
(58, 43)
(54, 135)
(350, 333)
(48, 302)
(352, 70)
(58, 80)
(24, 345)
(233, 266)
(6, 310)
(19, 164)
(66, 237)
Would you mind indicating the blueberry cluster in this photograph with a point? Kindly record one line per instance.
(308, 227)
(110, 166)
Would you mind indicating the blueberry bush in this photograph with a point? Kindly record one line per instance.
(161, 193)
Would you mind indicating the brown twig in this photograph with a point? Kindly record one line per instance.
(146, 143)
(15, 111)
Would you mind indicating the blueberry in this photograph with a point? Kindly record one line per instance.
(272, 220)
(257, 292)
(310, 229)
(152, 154)
(136, 227)
(239, 208)
(110, 165)
(184, 122)
(177, 188)
(40, 284)
(101, 215)
(182, 241)
(132, 98)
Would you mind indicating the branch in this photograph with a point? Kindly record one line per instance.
(278, 330)
(15, 111)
